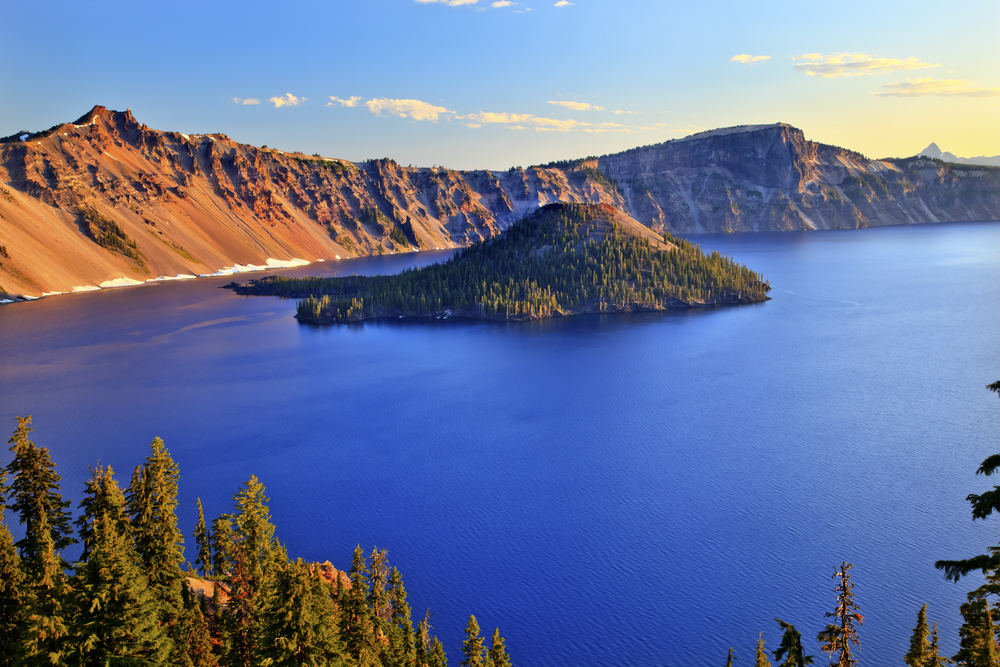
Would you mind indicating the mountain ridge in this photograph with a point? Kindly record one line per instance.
(196, 204)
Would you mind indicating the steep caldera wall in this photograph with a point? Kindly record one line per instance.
(107, 198)
(770, 178)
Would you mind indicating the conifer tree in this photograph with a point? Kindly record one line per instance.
(35, 492)
(193, 637)
(731, 659)
(977, 636)
(761, 660)
(114, 618)
(254, 532)
(13, 597)
(935, 659)
(920, 646)
(791, 647)
(401, 639)
(298, 628)
(222, 545)
(422, 643)
(498, 652)
(240, 621)
(204, 542)
(38, 503)
(103, 497)
(438, 658)
(356, 627)
(841, 636)
(152, 504)
(472, 647)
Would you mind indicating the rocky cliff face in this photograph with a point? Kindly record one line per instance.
(106, 198)
(770, 178)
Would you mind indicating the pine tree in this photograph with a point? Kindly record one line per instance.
(438, 658)
(297, 623)
(254, 531)
(761, 660)
(13, 597)
(791, 647)
(35, 491)
(103, 497)
(356, 627)
(114, 617)
(240, 621)
(40, 507)
(152, 504)
(841, 635)
(935, 659)
(731, 659)
(920, 646)
(192, 637)
(204, 542)
(977, 636)
(472, 647)
(401, 639)
(222, 545)
(498, 652)
(422, 643)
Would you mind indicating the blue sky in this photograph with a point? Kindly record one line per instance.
(472, 85)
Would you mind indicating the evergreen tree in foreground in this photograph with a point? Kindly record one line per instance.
(12, 595)
(935, 659)
(791, 647)
(731, 659)
(115, 618)
(498, 652)
(204, 542)
(920, 646)
(761, 659)
(472, 647)
(35, 492)
(841, 636)
(103, 498)
(978, 634)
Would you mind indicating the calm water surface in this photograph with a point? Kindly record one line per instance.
(608, 490)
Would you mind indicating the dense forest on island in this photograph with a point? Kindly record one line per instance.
(127, 601)
(562, 259)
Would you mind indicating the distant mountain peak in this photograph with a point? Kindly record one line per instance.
(931, 151)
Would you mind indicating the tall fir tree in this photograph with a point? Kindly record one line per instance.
(422, 641)
(731, 659)
(13, 596)
(761, 658)
(379, 601)
(472, 647)
(356, 626)
(114, 619)
(34, 490)
(402, 650)
(298, 627)
(791, 647)
(935, 659)
(438, 658)
(223, 543)
(920, 646)
(978, 633)
(103, 497)
(204, 542)
(841, 637)
(36, 499)
(152, 505)
(498, 652)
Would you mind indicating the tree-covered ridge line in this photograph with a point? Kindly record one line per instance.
(126, 601)
(563, 259)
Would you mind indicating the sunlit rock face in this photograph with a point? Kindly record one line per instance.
(188, 205)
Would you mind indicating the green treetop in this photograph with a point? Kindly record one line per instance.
(761, 658)
(472, 647)
(841, 637)
(920, 645)
(791, 647)
(498, 652)
(102, 498)
(204, 542)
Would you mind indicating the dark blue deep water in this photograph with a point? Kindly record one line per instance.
(608, 490)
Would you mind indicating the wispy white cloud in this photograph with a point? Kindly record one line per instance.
(578, 106)
(854, 64)
(631, 113)
(245, 100)
(936, 88)
(748, 59)
(349, 102)
(563, 3)
(414, 109)
(287, 100)
(502, 3)
(450, 3)
(523, 121)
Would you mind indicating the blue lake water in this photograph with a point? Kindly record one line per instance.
(608, 490)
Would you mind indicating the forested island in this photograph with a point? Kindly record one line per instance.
(563, 259)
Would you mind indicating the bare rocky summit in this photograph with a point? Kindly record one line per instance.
(109, 200)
